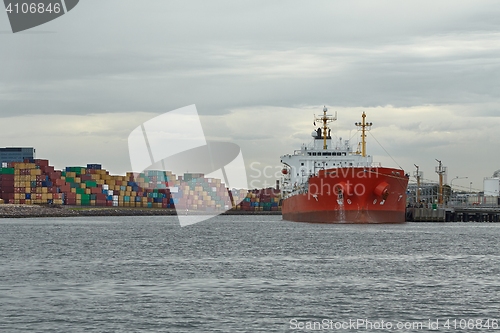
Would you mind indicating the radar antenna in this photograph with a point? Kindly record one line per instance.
(325, 119)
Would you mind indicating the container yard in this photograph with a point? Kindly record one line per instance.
(35, 182)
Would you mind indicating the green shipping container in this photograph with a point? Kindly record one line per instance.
(6, 171)
(91, 183)
(77, 170)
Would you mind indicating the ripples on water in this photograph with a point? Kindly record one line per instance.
(239, 274)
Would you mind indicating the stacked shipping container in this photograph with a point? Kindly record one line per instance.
(35, 182)
(30, 183)
(268, 199)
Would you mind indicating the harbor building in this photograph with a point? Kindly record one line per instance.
(16, 154)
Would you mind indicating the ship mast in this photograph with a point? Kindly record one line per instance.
(325, 119)
(364, 128)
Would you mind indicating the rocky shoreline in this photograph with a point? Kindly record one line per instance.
(30, 211)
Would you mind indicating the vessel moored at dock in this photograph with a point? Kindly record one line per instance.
(329, 182)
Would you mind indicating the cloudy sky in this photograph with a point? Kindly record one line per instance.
(427, 73)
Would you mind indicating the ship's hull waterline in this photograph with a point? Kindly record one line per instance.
(350, 195)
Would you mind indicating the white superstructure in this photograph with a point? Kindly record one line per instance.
(321, 154)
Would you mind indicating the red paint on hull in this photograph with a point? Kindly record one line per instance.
(351, 195)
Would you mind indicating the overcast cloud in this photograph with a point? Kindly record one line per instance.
(427, 73)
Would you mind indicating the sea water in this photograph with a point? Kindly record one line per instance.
(246, 274)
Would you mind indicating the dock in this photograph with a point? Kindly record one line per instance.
(453, 214)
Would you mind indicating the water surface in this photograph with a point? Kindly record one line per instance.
(241, 274)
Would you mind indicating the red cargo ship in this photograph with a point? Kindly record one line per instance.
(328, 182)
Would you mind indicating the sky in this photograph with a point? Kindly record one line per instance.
(427, 74)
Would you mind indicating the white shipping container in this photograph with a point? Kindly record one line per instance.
(110, 192)
(105, 187)
(174, 189)
(115, 198)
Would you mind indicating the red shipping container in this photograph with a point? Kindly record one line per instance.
(54, 176)
(60, 182)
(42, 163)
(85, 177)
(65, 188)
(7, 183)
(48, 169)
(7, 177)
(101, 196)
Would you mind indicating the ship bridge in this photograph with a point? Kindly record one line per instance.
(321, 154)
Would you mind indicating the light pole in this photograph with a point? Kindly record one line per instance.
(451, 183)
(470, 193)
(418, 175)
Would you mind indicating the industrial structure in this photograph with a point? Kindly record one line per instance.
(430, 201)
(16, 154)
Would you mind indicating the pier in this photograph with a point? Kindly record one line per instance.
(453, 214)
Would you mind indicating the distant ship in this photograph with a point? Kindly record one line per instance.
(328, 182)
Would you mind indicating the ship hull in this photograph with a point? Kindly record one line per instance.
(350, 195)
